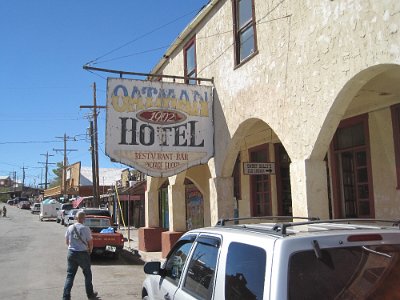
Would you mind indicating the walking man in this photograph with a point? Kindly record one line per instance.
(80, 245)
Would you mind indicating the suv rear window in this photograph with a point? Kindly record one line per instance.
(94, 222)
(67, 206)
(364, 272)
(97, 212)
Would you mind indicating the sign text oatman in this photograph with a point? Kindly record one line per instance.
(159, 128)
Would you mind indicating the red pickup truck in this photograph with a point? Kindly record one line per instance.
(105, 239)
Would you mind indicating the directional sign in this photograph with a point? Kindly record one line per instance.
(254, 168)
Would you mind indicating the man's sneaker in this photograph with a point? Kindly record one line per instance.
(93, 296)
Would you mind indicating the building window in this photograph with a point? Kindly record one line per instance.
(190, 61)
(396, 139)
(244, 30)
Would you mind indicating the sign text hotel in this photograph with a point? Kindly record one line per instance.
(159, 128)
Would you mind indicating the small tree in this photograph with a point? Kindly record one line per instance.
(59, 173)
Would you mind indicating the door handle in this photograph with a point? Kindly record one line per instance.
(167, 297)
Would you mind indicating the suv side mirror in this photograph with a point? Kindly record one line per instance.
(152, 268)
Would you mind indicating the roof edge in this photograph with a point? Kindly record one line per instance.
(184, 34)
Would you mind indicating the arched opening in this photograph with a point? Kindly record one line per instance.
(194, 206)
(363, 154)
(258, 194)
(197, 197)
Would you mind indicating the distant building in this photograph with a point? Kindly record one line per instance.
(79, 182)
(5, 181)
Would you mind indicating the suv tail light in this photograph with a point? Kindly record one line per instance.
(364, 238)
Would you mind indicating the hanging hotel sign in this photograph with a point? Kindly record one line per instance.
(159, 128)
(254, 168)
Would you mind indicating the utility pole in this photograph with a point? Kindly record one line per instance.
(23, 178)
(46, 168)
(13, 179)
(65, 162)
(41, 176)
(94, 175)
(95, 161)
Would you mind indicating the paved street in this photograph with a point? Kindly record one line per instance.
(33, 263)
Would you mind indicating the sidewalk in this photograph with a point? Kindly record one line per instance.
(132, 245)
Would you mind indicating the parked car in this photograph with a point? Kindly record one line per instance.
(10, 202)
(64, 209)
(35, 208)
(105, 239)
(24, 204)
(332, 259)
(70, 217)
(16, 200)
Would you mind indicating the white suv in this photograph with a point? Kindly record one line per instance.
(35, 208)
(64, 209)
(310, 259)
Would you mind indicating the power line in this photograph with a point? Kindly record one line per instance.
(40, 142)
(29, 142)
(258, 22)
(12, 165)
(133, 54)
(140, 37)
(39, 120)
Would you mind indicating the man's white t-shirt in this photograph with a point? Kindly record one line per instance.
(75, 244)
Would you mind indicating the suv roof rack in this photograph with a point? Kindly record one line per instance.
(281, 228)
(221, 222)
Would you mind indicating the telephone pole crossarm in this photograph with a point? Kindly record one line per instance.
(46, 168)
(65, 162)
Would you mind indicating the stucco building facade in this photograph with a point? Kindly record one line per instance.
(312, 86)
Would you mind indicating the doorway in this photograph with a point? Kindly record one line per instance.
(353, 197)
(260, 185)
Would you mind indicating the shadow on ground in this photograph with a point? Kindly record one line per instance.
(126, 257)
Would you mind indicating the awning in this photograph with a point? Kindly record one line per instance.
(130, 197)
(77, 202)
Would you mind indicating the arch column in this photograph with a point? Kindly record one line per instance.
(177, 213)
(151, 202)
(309, 189)
(150, 236)
(177, 207)
(221, 198)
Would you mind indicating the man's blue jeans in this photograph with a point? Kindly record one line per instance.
(75, 260)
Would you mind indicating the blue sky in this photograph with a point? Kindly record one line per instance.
(44, 44)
